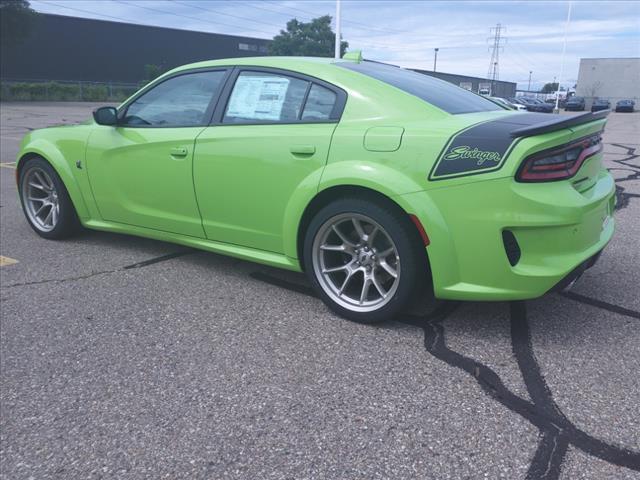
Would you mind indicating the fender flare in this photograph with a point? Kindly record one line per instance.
(372, 176)
(50, 152)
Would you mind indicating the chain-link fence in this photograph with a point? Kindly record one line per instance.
(25, 90)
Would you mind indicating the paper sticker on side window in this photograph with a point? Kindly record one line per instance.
(258, 97)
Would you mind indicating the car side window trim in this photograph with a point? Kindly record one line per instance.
(209, 112)
(304, 101)
(221, 107)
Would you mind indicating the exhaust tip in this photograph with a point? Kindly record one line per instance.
(570, 285)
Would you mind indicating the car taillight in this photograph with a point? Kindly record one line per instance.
(558, 163)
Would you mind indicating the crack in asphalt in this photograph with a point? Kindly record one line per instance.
(622, 196)
(601, 304)
(142, 264)
(556, 431)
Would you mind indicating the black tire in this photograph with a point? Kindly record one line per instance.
(67, 223)
(414, 272)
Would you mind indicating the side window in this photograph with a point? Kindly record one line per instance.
(319, 104)
(265, 97)
(181, 101)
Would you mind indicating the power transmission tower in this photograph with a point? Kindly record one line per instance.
(494, 64)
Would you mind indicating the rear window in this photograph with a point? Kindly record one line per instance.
(439, 93)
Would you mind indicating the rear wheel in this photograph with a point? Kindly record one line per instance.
(45, 200)
(363, 259)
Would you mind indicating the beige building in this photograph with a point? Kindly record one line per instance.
(609, 78)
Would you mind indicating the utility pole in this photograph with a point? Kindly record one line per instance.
(494, 63)
(435, 58)
(529, 87)
(338, 36)
(564, 48)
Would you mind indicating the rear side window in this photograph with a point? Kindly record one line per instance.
(260, 97)
(320, 103)
(441, 94)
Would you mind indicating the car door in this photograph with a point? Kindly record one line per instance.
(141, 170)
(271, 133)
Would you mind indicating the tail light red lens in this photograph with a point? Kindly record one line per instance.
(559, 163)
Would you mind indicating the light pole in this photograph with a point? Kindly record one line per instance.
(338, 40)
(435, 58)
(529, 87)
(564, 48)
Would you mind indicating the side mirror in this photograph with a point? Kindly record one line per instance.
(106, 116)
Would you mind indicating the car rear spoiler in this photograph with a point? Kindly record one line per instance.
(558, 123)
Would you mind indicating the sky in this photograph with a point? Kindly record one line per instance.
(405, 33)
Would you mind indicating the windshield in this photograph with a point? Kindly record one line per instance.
(441, 94)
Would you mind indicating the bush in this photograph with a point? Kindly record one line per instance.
(94, 93)
(63, 92)
(27, 91)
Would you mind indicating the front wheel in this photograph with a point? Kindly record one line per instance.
(364, 259)
(45, 200)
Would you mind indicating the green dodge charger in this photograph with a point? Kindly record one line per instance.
(378, 182)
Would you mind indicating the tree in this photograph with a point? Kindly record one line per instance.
(550, 87)
(16, 20)
(152, 71)
(314, 39)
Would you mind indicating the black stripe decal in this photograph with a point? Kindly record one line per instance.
(482, 147)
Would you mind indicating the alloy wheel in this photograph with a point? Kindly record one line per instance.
(40, 199)
(356, 262)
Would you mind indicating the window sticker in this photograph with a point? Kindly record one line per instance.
(258, 98)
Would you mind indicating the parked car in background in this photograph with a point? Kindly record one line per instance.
(625, 106)
(552, 101)
(372, 179)
(517, 106)
(575, 103)
(535, 105)
(507, 104)
(520, 101)
(600, 104)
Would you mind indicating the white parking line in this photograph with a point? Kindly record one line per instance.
(6, 261)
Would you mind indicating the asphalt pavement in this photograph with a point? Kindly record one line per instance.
(128, 358)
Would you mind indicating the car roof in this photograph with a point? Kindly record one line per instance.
(287, 63)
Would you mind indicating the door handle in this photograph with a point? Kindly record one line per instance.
(179, 152)
(302, 149)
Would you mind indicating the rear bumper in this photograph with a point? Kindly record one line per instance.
(557, 229)
(576, 273)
